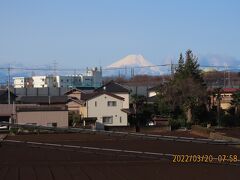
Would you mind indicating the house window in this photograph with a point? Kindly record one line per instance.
(107, 120)
(95, 103)
(112, 103)
(120, 119)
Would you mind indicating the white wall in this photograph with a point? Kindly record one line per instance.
(152, 93)
(102, 109)
(126, 99)
(18, 82)
(39, 81)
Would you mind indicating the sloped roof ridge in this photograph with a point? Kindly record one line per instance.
(96, 94)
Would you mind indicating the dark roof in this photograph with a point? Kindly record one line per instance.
(86, 88)
(75, 100)
(43, 99)
(113, 87)
(79, 90)
(89, 96)
(73, 90)
(5, 91)
(40, 108)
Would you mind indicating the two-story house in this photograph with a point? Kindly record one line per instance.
(106, 107)
(108, 104)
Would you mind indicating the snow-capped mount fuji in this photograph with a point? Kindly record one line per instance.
(137, 64)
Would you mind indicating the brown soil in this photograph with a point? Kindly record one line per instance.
(20, 161)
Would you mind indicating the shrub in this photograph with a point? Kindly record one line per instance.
(13, 130)
(182, 122)
(228, 120)
(175, 124)
(188, 125)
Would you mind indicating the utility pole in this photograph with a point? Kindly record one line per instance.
(55, 67)
(8, 86)
(229, 79)
(224, 78)
(8, 89)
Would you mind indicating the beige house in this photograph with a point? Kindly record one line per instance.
(107, 108)
(75, 100)
(108, 104)
(226, 98)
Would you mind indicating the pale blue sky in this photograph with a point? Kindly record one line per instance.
(81, 33)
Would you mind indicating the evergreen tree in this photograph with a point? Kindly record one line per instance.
(180, 67)
(187, 89)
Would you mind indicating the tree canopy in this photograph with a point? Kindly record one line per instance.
(186, 89)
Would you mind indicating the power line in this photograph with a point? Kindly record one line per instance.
(110, 68)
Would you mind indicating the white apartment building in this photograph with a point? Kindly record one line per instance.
(91, 78)
(39, 81)
(18, 82)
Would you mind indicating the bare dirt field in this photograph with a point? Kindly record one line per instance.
(22, 161)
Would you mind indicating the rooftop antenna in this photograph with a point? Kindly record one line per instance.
(74, 78)
(8, 85)
(55, 67)
(229, 78)
(224, 78)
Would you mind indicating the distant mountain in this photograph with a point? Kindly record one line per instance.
(136, 64)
